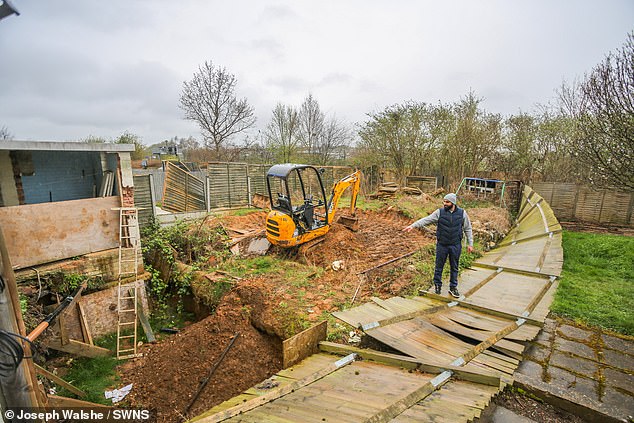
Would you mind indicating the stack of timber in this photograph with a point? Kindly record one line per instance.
(453, 356)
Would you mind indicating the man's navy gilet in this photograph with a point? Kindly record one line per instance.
(449, 226)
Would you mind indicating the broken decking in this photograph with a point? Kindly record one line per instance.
(465, 350)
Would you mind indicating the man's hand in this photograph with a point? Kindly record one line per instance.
(408, 228)
(470, 248)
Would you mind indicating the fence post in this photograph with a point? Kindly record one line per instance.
(207, 193)
(628, 222)
(576, 202)
(601, 207)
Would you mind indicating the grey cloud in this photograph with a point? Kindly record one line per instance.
(269, 47)
(278, 12)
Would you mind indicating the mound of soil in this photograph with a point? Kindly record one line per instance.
(169, 374)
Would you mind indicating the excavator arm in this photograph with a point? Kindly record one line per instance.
(353, 180)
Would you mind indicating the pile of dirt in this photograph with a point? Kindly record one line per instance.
(168, 375)
(490, 224)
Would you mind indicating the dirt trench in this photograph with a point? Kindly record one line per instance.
(168, 375)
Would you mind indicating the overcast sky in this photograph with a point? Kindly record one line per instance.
(70, 69)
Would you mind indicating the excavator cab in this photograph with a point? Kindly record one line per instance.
(300, 210)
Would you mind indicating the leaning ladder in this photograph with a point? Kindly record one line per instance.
(129, 256)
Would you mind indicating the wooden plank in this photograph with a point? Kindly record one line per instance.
(487, 310)
(277, 393)
(362, 314)
(403, 404)
(79, 348)
(145, 323)
(59, 381)
(57, 401)
(507, 347)
(304, 344)
(84, 325)
(411, 363)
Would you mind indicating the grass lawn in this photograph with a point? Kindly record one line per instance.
(597, 281)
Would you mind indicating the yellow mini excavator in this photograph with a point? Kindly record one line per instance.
(300, 211)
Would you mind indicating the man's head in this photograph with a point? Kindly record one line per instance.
(449, 201)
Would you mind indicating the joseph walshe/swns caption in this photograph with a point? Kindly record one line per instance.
(86, 414)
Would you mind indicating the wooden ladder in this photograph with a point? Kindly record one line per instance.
(129, 257)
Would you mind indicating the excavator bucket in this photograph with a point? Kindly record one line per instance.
(350, 222)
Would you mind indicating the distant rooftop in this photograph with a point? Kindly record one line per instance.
(65, 146)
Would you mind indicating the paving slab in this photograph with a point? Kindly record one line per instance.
(617, 400)
(550, 325)
(616, 343)
(619, 379)
(531, 369)
(597, 385)
(573, 401)
(619, 360)
(537, 352)
(576, 348)
(577, 365)
(564, 379)
(575, 333)
(504, 415)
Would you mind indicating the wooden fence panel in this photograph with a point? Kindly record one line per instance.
(424, 183)
(575, 202)
(183, 192)
(228, 185)
(616, 206)
(143, 198)
(589, 205)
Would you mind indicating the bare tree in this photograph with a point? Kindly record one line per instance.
(602, 105)
(5, 135)
(209, 99)
(311, 128)
(335, 137)
(282, 132)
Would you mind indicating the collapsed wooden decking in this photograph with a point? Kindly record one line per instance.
(465, 351)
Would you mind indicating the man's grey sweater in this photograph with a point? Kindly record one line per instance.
(433, 219)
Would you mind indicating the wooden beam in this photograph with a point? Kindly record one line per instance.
(79, 348)
(145, 323)
(59, 381)
(277, 393)
(478, 349)
(57, 401)
(512, 270)
(19, 387)
(85, 330)
(491, 311)
(411, 363)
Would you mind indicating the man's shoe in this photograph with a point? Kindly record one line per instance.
(454, 292)
(437, 290)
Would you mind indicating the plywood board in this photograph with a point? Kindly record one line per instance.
(304, 344)
(41, 233)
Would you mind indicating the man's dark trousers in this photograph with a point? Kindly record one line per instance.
(453, 252)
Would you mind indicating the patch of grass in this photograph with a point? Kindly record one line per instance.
(96, 375)
(297, 274)
(243, 212)
(597, 281)
(366, 203)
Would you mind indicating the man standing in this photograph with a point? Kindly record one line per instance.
(451, 221)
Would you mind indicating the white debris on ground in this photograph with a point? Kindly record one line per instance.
(118, 394)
